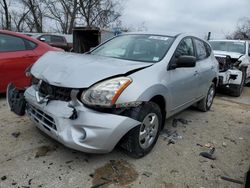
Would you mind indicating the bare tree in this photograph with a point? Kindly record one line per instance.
(242, 30)
(36, 15)
(5, 6)
(99, 13)
(64, 12)
(19, 20)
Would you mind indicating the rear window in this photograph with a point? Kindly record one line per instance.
(9, 43)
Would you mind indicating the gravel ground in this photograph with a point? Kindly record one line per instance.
(29, 158)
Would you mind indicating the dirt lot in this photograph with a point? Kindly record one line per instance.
(31, 159)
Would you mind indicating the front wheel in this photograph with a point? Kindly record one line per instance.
(206, 103)
(140, 140)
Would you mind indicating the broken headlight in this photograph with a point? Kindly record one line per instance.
(105, 93)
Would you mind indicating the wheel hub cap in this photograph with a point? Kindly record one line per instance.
(210, 96)
(148, 130)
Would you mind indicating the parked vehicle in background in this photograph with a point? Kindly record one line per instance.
(17, 53)
(234, 61)
(86, 38)
(120, 92)
(55, 41)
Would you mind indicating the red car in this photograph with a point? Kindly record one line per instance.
(17, 53)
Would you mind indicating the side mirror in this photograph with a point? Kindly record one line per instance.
(42, 39)
(186, 61)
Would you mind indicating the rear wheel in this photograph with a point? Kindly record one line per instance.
(139, 141)
(206, 103)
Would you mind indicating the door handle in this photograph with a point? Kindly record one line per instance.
(196, 73)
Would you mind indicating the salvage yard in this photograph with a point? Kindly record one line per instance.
(28, 158)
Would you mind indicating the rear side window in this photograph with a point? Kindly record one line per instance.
(57, 39)
(30, 45)
(208, 48)
(10, 43)
(201, 50)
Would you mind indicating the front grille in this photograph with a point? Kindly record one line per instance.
(41, 117)
(55, 92)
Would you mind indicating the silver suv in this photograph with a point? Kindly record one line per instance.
(119, 93)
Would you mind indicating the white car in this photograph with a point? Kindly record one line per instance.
(234, 60)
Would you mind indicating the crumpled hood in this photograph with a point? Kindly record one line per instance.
(233, 55)
(80, 71)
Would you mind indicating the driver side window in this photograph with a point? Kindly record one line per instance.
(185, 48)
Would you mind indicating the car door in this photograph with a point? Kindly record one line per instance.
(204, 65)
(16, 55)
(182, 82)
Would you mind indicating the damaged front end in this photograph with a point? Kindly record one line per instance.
(59, 113)
(231, 74)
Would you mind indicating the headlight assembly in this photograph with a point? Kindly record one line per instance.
(105, 93)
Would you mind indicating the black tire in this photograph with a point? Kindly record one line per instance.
(203, 104)
(131, 141)
(236, 90)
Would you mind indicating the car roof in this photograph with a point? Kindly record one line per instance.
(19, 35)
(228, 40)
(170, 34)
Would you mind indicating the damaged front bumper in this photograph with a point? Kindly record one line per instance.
(90, 131)
(230, 77)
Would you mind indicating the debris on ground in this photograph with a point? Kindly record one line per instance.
(207, 145)
(231, 180)
(181, 120)
(209, 154)
(224, 144)
(16, 134)
(115, 172)
(174, 172)
(171, 136)
(43, 150)
(3, 178)
(29, 182)
(230, 139)
(147, 174)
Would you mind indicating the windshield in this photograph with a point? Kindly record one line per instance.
(229, 46)
(146, 48)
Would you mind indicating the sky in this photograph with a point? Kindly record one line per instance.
(191, 16)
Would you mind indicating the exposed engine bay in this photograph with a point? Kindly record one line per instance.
(226, 62)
